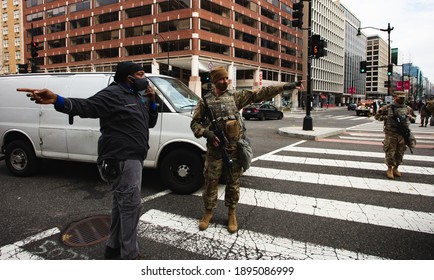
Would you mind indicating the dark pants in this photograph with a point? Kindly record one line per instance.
(126, 208)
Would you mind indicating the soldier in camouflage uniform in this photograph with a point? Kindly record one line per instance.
(226, 106)
(394, 144)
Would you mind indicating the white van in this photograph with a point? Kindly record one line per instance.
(29, 131)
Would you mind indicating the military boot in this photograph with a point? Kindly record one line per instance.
(204, 222)
(389, 173)
(232, 221)
(396, 173)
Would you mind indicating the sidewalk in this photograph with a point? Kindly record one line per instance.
(315, 134)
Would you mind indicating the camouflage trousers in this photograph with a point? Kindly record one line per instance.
(394, 147)
(214, 169)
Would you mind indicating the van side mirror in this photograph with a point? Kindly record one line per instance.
(71, 119)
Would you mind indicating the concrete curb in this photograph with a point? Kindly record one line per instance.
(315, 134)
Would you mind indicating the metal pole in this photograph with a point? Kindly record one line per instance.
(307, 121)
(388, 59)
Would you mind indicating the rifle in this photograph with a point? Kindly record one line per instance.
(220, 135)
(402, 129)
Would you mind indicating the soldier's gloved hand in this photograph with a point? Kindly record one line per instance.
(290, 86)
(208, 134)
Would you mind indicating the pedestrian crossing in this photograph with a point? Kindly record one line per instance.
(329, 116)
(273, 184)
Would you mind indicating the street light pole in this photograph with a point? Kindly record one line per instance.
(388, 30)
(307, 121)
(169, 72)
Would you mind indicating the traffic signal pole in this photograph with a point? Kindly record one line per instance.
(307, 121)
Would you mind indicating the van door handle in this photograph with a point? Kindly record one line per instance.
(71, 119)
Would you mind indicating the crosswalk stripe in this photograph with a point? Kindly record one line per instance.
(182, 232)
(419, 140)
(355, 212)
(352, 153)
(343, 181)
(15, 252)
(345, 163)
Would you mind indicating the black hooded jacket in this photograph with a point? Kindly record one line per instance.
(125, 118)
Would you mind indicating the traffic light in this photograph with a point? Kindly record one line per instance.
(386, 84)
(34, 49)
(322, 45)
(297, 14)
(363, 67)
(389, 70)
(315, 45)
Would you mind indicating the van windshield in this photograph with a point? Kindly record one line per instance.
(178, 94)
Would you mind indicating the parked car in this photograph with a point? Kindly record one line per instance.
(29, 131)
(352, 106)
(261, 111)
(365, 108)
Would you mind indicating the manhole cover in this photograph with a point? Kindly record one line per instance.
(87, 232)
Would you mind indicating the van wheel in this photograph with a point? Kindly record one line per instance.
(20, 158)
(182, 171)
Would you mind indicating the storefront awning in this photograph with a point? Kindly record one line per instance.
(323, 96)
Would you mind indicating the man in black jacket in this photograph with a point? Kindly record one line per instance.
(126, 109)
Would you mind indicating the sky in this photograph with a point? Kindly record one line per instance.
(413, 28)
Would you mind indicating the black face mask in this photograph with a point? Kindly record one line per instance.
(222, 86)
(139, 84)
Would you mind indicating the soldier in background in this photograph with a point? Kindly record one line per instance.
(394, 144)
(226, 106)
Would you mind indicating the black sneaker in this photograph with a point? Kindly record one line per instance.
(112, 253)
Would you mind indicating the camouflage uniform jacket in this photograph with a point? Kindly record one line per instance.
(227, 108)
(390, 112)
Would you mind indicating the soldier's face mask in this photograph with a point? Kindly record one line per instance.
(400, 100)
(222, 86)
(139, 84)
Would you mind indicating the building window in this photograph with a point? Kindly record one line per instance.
(138, 31)
(138, 11)
(80, 40)
(81, 56)
(16, 2)
(59, 43)
(17, 42)
(240, 53)
(107, 35)
(79, 6)
(5, 30)
(269, 29)
(214, 27)
(16, 28)
(269, 44)
(16, 14)
(214, 47)
(246, 20)
(55, 59)
(268, 59)
(138, 49)
(79, 23)
(100, 3)
(35, 32)
(5, 17)
(4, 4)
(107, 17)
(107, 53)
(17, 55)
(35, 16)
(269, 14)
(248, 4)
(56, 12)
(33, 3)
(173, 25)
(214, 8)
(6, 43)
(167, 6)
(245, 37)
(58, 27)
(174, 46)
(6, 56)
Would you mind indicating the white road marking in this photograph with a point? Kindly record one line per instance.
(353, 153)
(334, 209)
(215, 242)
(343, 181)
(15, 252)
(345, 163)
(154, 196)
